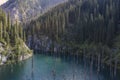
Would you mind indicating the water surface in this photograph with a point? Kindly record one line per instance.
(52, 68)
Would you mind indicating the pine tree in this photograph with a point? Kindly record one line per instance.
(1, 30)
(7, 38)
(24, 36)
(8, 21)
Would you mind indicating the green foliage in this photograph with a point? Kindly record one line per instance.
(79, 21)
(11, 38)
(87, 25)
(8, 32)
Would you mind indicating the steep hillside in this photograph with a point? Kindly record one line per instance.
(24, 10)
(90, 28)
(12, 41)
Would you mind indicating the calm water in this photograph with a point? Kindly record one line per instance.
(52, 68)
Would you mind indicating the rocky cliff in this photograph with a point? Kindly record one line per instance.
(24, 10)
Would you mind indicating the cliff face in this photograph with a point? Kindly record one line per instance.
(44, 43)
(24, 10)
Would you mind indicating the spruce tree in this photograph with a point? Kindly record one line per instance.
(1, 30)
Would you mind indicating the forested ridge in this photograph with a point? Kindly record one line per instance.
(25, 10)
(74, 40)
(90, 28)
(12, 38)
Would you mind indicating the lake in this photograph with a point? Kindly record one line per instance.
(48, 67)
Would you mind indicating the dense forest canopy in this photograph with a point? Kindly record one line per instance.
(81, 20)
(12, 38)
(83, 30)
(9, 33)
(90, 27)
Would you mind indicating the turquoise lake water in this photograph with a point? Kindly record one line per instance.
(46, 67)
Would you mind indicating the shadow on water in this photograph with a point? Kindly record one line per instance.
(46, 66)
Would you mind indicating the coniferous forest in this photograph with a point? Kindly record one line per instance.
(74, 40)
(12, 38)
(90, 28)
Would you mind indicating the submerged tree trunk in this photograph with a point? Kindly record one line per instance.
(54, 74)
(84, 61)
(54, 71)
(77, 58)
(85, 71)
(115, 68)
(91, 67)
(98, 65)
(73, 66)
(111, 72)
(98, 59)
(32, 73)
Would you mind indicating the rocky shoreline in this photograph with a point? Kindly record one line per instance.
(21, 58)
(24, 57)
(17, 53)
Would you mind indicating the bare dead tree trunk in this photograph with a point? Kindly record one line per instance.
(77, 58)
(115, 68)
(32, 73)
(64, 78)
(73, 66)
(91, 67)
(102, 56)
(11, 68)
(84, 61)
(98, 65)
(54, 74)
(53, 71)
(111, 74)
